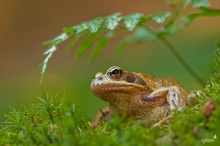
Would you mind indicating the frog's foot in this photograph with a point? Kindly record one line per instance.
(172, 97)
(172, 93)
(163, 121)
(101, 116)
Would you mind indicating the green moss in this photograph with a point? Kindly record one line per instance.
(60, 122)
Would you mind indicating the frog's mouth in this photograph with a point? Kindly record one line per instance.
(114, 92)
(116, 88)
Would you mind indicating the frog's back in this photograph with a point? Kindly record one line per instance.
(156, 83)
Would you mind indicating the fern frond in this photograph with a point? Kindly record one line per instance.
(201, 3)
(131, 21)
(89, 34)
(113, 20)
(49, 54)
(86, 43)
(100, 44)
(161, 17)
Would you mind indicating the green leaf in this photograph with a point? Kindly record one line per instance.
(59, 39)
(113, 20)
(72, 43)
(210, 12)
(81, 27)
(185, 21)
(132, 20)
(41, 99)
(161, 17)
(200, 3)
(86, 44)
(100, 44)
(95, 24)
(143, 34)
(50, 50)
(69, 30)
(176, 14)
(203, 12)
(49, 53)
(184, 4)
(47, 42)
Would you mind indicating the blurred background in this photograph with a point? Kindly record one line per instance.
(25, 24)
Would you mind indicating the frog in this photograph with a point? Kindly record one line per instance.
(139, 96)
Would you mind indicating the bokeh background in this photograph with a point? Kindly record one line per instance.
(25, 24)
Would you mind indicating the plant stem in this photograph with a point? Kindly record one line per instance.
(182, 61)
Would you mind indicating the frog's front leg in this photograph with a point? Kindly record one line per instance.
(172, 95)
(101, 116)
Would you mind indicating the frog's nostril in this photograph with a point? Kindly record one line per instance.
(99, 78)
(99, 74)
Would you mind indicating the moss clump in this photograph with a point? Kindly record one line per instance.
(52, 122)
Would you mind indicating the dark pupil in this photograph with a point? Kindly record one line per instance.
(116, 71)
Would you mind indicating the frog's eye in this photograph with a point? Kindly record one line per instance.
(114, 72)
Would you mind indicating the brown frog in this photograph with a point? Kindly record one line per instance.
(137, 95)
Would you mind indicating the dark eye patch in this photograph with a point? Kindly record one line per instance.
(132, 78)
(116, 71)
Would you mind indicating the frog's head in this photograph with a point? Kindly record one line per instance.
(116, 84)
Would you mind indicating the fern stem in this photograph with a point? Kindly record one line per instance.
(182, 61)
